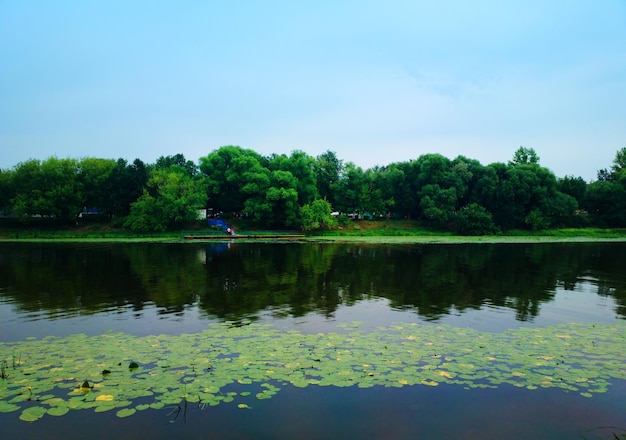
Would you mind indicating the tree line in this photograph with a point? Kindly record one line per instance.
(306, 192)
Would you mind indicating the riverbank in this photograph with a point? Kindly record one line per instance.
(390, 231)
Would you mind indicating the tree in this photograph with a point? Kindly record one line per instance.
(435, 169)
(49, 189)
(328, 170)
(524, 156)
(563, 210)
(93, 174)
(390, 181)
(606, 203)
(302, 168)
(7, 190)
(403, 188)
(474, 219)
(125, 184)
(317, 215)
(605, 199)
(619, 163)
(533, 188)
(573, 186)
(470, 174)
(63, 189)
(350, 189)
(497, 193)
(172, 198)
(442, 185)
(165, 162)
(278, 205)
(437, 204)
(234, 175)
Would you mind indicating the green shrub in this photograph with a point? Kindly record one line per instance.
(474, 219)
(317, 215)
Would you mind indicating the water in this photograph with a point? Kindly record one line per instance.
(144, 289)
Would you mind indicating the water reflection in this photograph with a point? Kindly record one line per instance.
(236, 280)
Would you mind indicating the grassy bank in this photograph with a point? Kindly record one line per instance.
(388, 231)
(403, 230)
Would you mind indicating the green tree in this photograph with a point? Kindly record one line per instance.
(350, 188)
(605, 198)
(562, 210)
(442, 183)
(28, 189)
(390, 181)
(497, 194)
(165, 162)
(470, 175)
(302, 168)
(317, 215)
(605, 201)
(64, 189)
(278, 206)
(403, 188)
(93, 174)
(7, 190)
(619, 163)
(328, 170)
(533, 186)
(573, 186)
(371, 193)
(438, 204)
(536, 201)
(233, 175)
(525, 156)
(49, 189)
(474, 219)
(126, 183)
(171, 200)
(434, 169)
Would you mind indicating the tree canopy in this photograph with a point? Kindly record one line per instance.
(301, 191)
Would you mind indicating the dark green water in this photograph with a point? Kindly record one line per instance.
(143, 289)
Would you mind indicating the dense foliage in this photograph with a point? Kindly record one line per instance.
(301, 191)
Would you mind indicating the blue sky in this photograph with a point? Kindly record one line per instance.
(375, 81)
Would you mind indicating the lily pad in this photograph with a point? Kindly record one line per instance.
(32, 413)
(125, 412)
(256, 358)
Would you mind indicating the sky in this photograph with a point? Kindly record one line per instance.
(376, 82)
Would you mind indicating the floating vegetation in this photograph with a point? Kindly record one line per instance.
(224, 364)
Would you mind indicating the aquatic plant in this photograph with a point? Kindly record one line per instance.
(234, 364)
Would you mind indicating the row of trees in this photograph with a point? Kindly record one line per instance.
(300, 191)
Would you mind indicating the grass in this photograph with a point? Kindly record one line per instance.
(91, 232)
(374, 231)
(387, 228)
(412, 231)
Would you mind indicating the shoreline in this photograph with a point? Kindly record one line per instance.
(369, 239)
(362, 231)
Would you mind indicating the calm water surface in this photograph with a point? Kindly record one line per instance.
(143, 289)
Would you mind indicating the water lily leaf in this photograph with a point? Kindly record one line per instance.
(260, 357)
(58, 411)
(32, 413)
(125, 412)
(6, 407)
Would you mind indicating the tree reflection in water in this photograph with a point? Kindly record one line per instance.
(235, 280)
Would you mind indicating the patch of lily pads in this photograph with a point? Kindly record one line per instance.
(237, 364)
